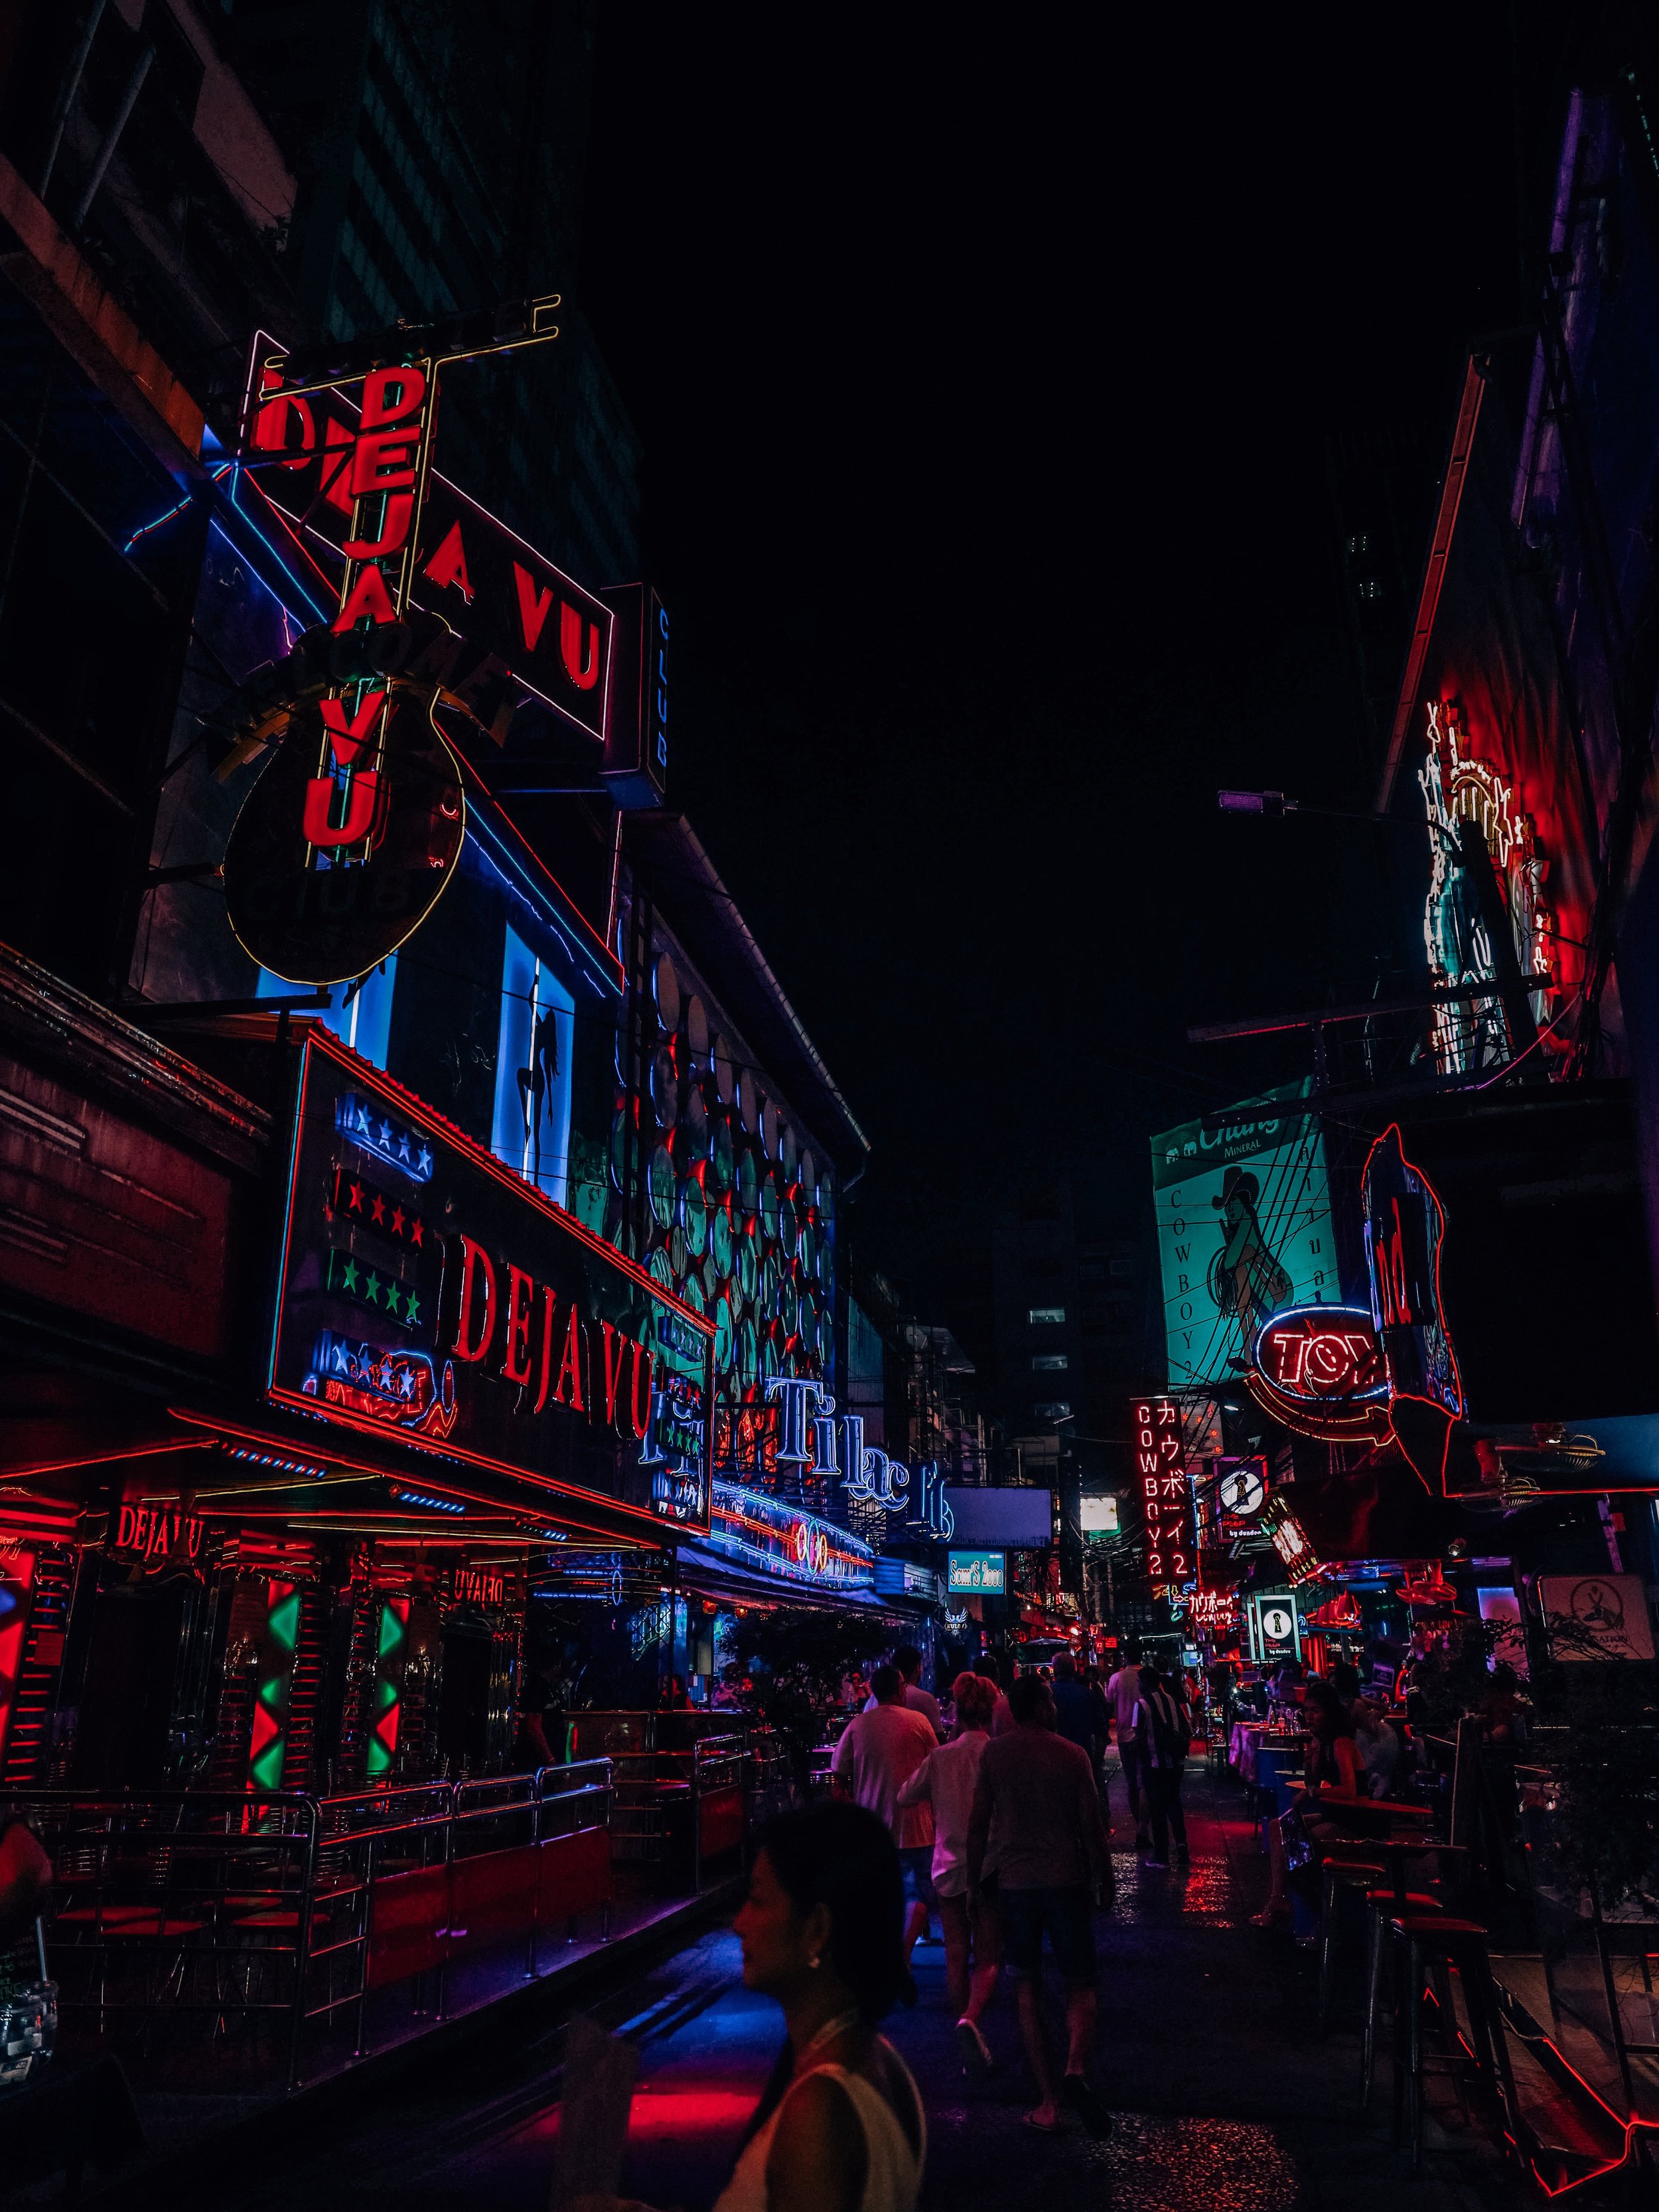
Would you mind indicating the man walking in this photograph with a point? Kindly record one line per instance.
(1081, 1717)
(878, 1754)
(1123, 1695)
(908, 1660)
(1036, 1812)
(1164, 1735)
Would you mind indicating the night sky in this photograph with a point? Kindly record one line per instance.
(986, 382)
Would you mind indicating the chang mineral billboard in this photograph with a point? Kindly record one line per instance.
(1244, 1229)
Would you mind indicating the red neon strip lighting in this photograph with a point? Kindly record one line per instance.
(221, 1428)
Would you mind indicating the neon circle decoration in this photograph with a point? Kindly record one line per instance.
(1318, 1369)
(694, 1213)
(661, 1187)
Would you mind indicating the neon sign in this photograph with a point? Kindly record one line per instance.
(1165, 1490)
(156, 1532)
(1289, 1540)
(512, 1338)
(482, 1586)
(757, 1531)
(1318, 1369)
(1458, 791)
(804, 1406)
(983, 1574)
(1404, 1225)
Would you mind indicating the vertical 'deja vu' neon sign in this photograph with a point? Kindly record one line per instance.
(348, 838)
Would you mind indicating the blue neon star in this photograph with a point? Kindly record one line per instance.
(425, 1161)
(402, 1144)
(362, 1120)
(386, 1136)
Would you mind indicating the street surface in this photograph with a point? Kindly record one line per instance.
(1226, 2099)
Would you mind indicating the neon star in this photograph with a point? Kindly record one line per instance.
(403, 1143)
(396, 1221)
(362, 1120)
(377, 1212)
(372, 1289)
(415, 1231)
(425, 1161)
(413, 1305)
(386, 1136)
(355, 1198)
(391, 1299)
(349, 1277)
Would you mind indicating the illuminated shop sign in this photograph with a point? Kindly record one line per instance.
(1319, 1370)
(461, 1313)
(1165, 1490)
(977, 1574)
(1276, 1624)
(1289, 1540)
(1099, 1517)
(1213, 1613)
(1466, 799)
(811, 1438)
(1243, 1228)
(763, 1534)
(158, 1532)
(482, 1586)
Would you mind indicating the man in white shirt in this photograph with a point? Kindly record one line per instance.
(908, 1660)
(878, 1754)
(1123, 1695)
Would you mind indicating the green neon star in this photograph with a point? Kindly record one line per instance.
(413, 1308)
(392, 1300)
(349, 1277)
(372, 1289)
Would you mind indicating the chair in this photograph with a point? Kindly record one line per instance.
(1432, 1944)
(1338, 1876)
(1383, 1904)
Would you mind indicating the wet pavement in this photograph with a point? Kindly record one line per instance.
(1226, 2097)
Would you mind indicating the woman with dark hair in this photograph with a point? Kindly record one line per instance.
(840, 2127)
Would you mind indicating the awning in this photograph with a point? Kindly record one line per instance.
(709, 1575)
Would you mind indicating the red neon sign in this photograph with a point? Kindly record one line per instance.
(1165, 1490)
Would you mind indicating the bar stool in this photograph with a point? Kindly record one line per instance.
(1340, 1877)
(1434, 1943)
(1381, 1905)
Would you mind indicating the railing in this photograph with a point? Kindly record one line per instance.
(718, 1825)
(290, 1910)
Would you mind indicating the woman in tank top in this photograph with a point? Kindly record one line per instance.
(840, 2127)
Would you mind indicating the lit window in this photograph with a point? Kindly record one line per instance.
(1038, 1315)
(1050, 1363)
(533, 1072)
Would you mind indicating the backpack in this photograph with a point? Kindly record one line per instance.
(1172, 1734)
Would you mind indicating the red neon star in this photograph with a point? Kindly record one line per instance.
(396, 1221)
(415, 1231)
(356, 1198)
(378, 1212)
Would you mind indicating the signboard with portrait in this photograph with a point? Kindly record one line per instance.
(430, 1298)
(1243, 1229)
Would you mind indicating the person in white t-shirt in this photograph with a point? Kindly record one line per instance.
(1123, 1695)
(878, 1754)
(908, 1660)
(946, 1780)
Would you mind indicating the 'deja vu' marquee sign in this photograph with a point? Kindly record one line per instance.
(428, 1295)
(433, 607)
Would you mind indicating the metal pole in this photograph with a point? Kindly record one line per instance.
(113, 137)
(66, 93)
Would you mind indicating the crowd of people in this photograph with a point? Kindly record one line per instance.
(997, 1810)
